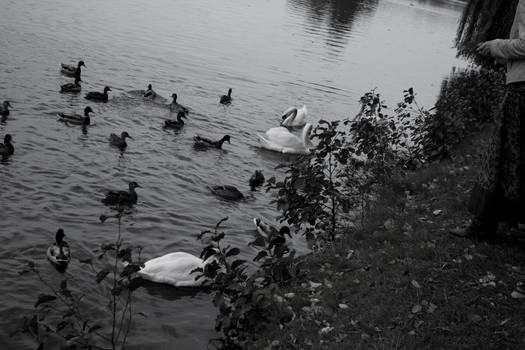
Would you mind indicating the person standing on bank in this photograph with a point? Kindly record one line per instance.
(499, 195)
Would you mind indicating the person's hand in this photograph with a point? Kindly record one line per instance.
(484, 48)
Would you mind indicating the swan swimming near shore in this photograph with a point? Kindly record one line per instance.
(280, 139)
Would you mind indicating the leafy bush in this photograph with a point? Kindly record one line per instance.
(247, 302)
(467, 100)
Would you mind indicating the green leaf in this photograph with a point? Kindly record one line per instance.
(233, 252)
(101, 275)
(44, 298)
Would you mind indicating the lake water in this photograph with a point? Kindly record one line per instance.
(272, 53)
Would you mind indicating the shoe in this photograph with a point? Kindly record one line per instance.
(477, 230)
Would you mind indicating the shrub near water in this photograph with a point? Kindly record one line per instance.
(466, 101)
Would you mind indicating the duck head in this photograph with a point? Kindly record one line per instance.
(124, 135)
(81, 63)
(133, 185)
(226, 138)
(8, 139)
(174, 98)
(150, 87)
(59, 237)
(106, 89)
(181, 115)
(87, 110)
(7, 104)
(229, 92)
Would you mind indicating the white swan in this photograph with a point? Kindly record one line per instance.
(280, 139)
(294, 117)
(175, 269)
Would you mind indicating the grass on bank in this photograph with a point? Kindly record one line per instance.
(403, 282)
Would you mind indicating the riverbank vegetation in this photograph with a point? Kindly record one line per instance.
(377, 199)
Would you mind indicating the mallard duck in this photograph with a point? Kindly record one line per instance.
(119, 141)
(176, 269)
(268, 231)
(175, 107)
(175, 124)
(71, 70)
(71, 87)
(256, 180)
(204, 142)
(77, 118)
(58, 253)
(150, 93)
(99, 96)
(275, 238)
(294, 117)
(226, 192)
(226, 99)
(4, 108)
(122, 197)
(280, 139)
(7, 149)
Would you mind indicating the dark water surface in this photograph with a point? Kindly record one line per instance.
(273, 53)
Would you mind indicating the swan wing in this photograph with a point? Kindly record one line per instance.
(174, 268)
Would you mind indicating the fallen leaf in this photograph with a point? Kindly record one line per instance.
(517, 295)
(416, 308)
(474, 318)
(416, 284)
(344, 306)
(437, 212)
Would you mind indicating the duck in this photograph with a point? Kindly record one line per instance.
(176, 269)
(122, 197)
(119, 141)
(7, 149)
(226, 192)
(77, 118)
(226, 99)
(257, 179)
(150, 93)
(175, 107)
(71, 70)
(99, 96)
(4, 108)
(205, 142)
(71, 87)
(175, 124)
(58, 253)
(294, 117)
(280, 139)
(271, 234)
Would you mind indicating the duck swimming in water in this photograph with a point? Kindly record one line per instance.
(99, 96)
(175, 124)
(119, 141)
(58, 253)
(150, 93)
(122, 197)
(77, 118)
(7, 149)
(226, 99)
(176, 269)
(204, 142)
(256, 180)
(4, 109)
(175, 107)
(71, 70)
(71, 87)
(226, 192)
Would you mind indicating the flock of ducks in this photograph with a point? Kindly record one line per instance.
(174, 268)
